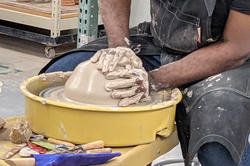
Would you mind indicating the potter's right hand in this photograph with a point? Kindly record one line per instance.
(129, 85)
(108, 59)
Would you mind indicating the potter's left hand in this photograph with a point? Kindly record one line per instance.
(129, 85)
(109, 59)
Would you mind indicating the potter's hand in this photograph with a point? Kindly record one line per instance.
(129, 85)
(108, 59)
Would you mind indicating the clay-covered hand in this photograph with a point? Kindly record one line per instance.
(108, 59)
(129, 85)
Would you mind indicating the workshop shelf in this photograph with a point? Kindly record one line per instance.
(45, 16)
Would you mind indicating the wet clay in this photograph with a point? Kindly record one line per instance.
(122, 62)
(163, 97)
(108, 60)
(86, 85)
(131, 88)
(20, 132)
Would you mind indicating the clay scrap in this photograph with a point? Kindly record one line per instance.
(20, 132)
(27, 152)
(2, 123)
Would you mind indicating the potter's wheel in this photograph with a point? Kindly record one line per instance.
(85, 86)
(52, 113)
(57, 94)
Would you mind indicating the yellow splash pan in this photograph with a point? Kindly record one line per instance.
(117, 126)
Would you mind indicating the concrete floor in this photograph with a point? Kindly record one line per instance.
(19, 60)
(24, 60)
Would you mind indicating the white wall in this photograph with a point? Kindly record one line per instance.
(140, 11)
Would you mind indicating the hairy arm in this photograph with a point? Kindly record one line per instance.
(115, 15)
(231, 52)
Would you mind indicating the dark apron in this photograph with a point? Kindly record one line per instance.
(205, 114)
(179, 27)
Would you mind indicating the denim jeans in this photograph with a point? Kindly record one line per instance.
(214, 154)
(69, 62)
(210, 154)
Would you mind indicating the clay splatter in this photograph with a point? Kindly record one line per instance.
(185, 91)
(209, 85)
(63, 130)
(220, 108)
(213, 77)
(190, 94)
(1, 84)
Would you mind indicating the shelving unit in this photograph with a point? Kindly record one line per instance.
(88, 21)
(45, 16)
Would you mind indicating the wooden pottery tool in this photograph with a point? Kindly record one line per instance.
(21, 162)
(93, 145)
(102, 150)
(55, 141)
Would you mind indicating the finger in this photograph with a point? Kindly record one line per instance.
(122, 73)
(145, 98)
(124, 93)
(114, 63)
(96, 56)
(131, 100)
(141, 89)
(124, 61)
(136, 62)
(128, 67)
(123, 83)
(107, 60)
(101, 59)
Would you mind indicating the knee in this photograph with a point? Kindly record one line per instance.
(69, 62)
(215, 154)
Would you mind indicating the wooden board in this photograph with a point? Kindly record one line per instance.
(41, 9)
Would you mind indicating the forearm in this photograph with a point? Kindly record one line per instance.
(233, 51)
(201, 64)
(115, 15)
